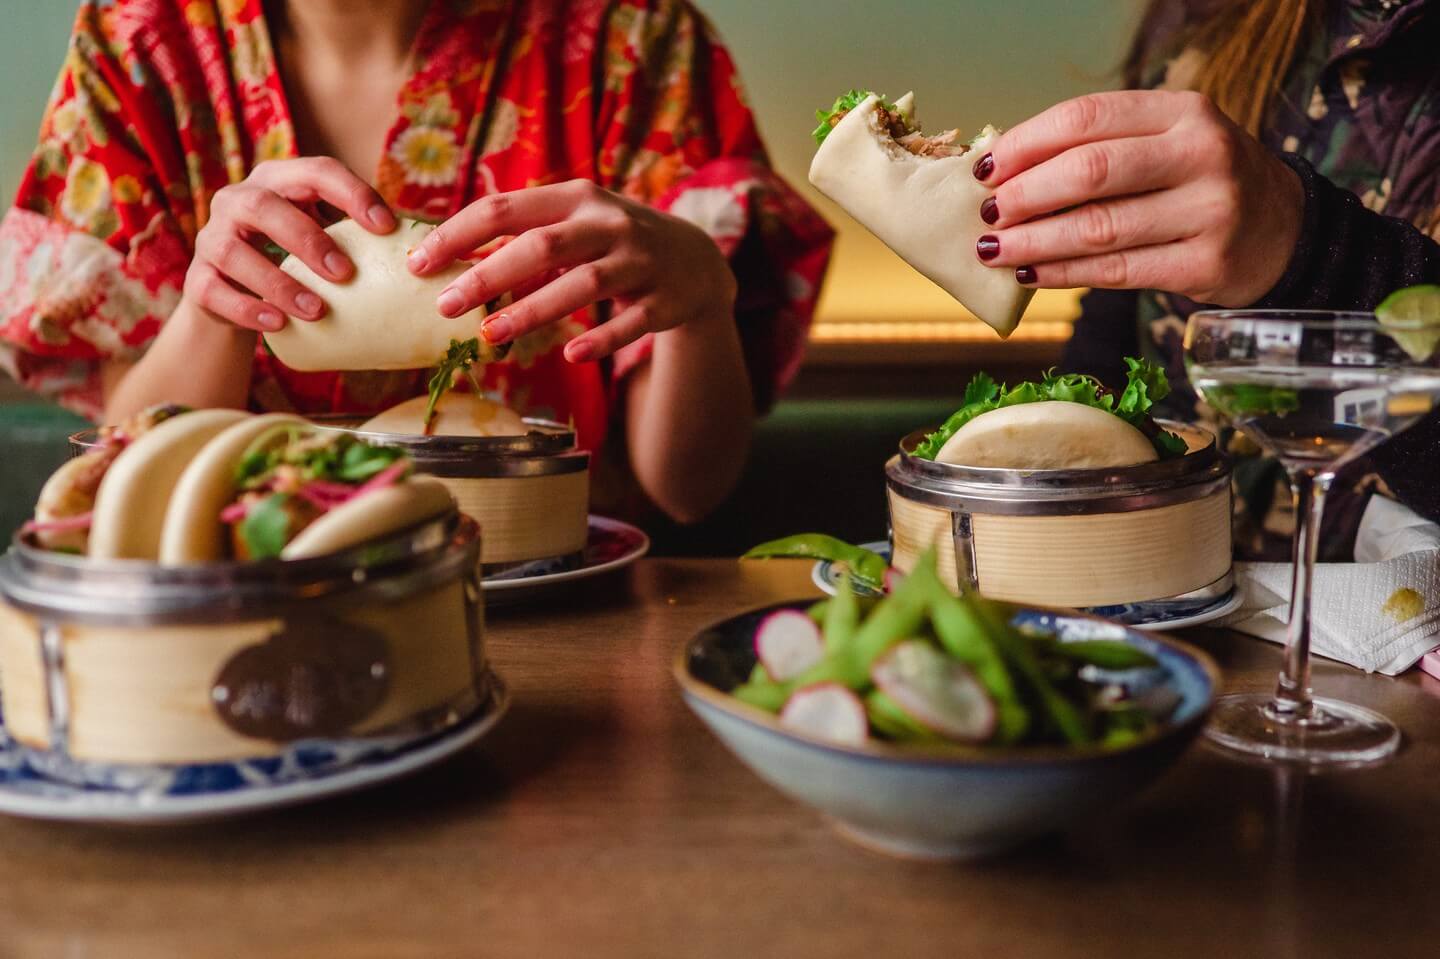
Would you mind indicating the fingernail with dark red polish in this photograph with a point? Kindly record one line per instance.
(990, 210)
(1025, 275)
(985, 166)
(988, 247)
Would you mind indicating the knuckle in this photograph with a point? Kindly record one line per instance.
(1098, 227)
(1078, 117)
(1114, 271)
(592, 279)
(314, 244)
(1092, 168)
(642, 317)
(229, 249)
(550, 243)
(253, 203)
(438, 238)
(475, 285)
(496, 207)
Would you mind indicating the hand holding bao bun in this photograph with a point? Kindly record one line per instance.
(918, 194)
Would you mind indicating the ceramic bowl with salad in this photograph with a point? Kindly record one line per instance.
(931, 725)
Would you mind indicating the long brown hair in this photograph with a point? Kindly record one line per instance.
(1246, 48)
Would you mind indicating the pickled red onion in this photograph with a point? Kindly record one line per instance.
(69, 523)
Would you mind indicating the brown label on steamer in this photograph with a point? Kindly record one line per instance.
(317, 677)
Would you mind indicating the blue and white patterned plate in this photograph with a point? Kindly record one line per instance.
(1148, 616)
(306, 772)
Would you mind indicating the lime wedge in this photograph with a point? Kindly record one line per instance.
(1412, 318)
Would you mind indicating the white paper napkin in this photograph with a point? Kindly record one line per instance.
(1380, 614)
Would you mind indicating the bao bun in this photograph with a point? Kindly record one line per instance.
(384, 318)
(1053, 435)
(457, 414)
(193, 532)
(134, 496)
(927, 209)
(371, 516)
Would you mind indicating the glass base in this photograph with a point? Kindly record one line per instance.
(1332, 735)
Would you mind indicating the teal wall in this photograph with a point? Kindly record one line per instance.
(974, 61)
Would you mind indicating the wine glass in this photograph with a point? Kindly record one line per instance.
(1317, 390)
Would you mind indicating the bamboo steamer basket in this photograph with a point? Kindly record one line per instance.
(530, 494)
(119, 664)
(1157, 533)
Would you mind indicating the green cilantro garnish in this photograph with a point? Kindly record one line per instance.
(266, 528)
(458, 358)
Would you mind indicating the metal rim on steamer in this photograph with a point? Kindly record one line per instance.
(548, 449)
(53, 585)
(964, 489)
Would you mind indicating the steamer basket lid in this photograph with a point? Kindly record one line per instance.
(1202, 464)
(134, 592)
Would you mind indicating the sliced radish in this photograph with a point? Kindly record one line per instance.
(827, 711)
(893, 577)
(936, 691)
(788, 642)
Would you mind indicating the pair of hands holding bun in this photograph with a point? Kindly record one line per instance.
(1140, 190)
(589, 243)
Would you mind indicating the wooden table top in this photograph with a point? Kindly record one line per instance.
(602, 819)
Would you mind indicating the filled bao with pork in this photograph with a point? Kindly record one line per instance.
(918, 194)
(293, 492)
(177, 487)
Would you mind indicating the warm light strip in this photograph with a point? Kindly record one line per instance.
(948, 331)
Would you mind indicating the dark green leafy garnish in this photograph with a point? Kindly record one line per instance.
(1146, 385)
(266, 527)
(458, 358)
(843, 105)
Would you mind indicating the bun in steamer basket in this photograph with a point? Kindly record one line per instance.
(1052, 435)
(456, 414)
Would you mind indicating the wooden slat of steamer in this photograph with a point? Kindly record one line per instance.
(525, 518)
(1096, 560)
(22, 679)
(142, 695)
(1107, 558)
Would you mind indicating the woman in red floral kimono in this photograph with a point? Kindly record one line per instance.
(667, 274)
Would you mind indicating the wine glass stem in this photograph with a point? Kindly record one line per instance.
(1292, 695)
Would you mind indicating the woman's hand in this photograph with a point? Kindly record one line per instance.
(661, 271)
(1140, 190)
(230, 278)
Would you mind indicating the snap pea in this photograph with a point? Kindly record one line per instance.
(964, 636)
(1105, 653)
(842, 617)
(890, 720)
(766, 695)
(818, 612)
(1017, 652)
(866, 566)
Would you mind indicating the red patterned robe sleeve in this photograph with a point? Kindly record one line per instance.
(675, 132)
(91, 258)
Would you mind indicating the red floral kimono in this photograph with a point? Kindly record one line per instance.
(161, 103)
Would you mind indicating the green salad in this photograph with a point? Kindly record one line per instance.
(922, 665)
